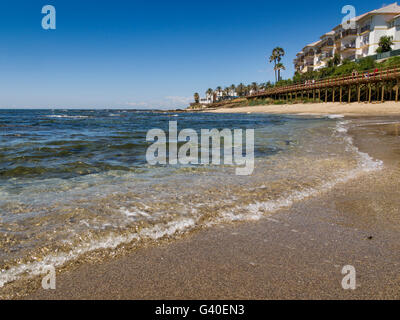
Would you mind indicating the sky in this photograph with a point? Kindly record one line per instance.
(150, 54)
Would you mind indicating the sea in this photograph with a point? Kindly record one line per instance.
(76, 183)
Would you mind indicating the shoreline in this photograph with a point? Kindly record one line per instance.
(295, 253)
(320, 109)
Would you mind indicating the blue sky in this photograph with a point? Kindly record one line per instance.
(149, 54)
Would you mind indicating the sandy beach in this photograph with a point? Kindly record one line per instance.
(353, 109)
(295, 253)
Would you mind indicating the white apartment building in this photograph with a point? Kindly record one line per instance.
(218, 96)
(356, 43)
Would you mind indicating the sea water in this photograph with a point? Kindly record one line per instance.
(74, 182)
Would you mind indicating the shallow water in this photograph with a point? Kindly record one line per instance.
(75, 181)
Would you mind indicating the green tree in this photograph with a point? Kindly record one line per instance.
(226, 91)
(196, 97)
(336, 59)
(233, 88)
(279, 66)
(385, 44)
(276, 57)
(241, 90)
(210, 94)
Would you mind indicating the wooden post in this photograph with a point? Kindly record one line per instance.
(313, 95)
(319, 94)
(370, 92)
(326, 95)
(333, 94)
(383, 93)
(349, 94)
(358, 93)
(340, 94)
(397, 91)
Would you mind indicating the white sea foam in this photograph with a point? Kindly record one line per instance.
(255, 211)
(250, 212)
(37, 268)
(335, 116)
(66, 116)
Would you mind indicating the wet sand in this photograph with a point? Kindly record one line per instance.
(296, 253)
(352, 109)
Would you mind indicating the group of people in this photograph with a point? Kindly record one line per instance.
(367, 74)
(355, 73)
(309, 81)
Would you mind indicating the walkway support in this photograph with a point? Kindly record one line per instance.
(362, 83)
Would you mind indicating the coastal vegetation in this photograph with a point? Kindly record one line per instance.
(196, 98)
(385, 44)
(276, 57)
(335, 68)
(346, 68)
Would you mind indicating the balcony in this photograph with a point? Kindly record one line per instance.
(349, 46)
(326, 55)
(327, 45)
(365, 29)
(349, 33)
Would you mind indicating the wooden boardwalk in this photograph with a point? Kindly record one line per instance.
(373, 85)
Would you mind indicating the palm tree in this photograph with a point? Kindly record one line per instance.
(336, 59)
(254, 86)
(248, 88)
(273, 58)
(268, 85)
(210, 94)
(232, 89)
(241, 89)
(226, 91)
(196, 97)
(276, 57)
(385, 44)
(279, 66)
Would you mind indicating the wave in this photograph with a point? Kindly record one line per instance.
(253, 211)
(66, 116)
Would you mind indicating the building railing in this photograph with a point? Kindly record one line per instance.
(362, 77)
(384, 55)
(365, 28)
(327, 55)
(349, 46)
(350, 32)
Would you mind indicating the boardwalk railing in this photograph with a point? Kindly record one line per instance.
(358, 78)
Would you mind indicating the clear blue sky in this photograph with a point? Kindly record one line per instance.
(149, 54)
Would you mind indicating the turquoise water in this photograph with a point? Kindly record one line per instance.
(72, 182)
